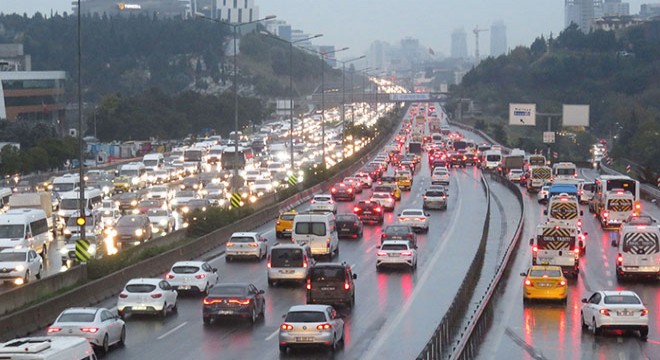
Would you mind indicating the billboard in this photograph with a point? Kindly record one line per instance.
(522, 114)
(575, 115)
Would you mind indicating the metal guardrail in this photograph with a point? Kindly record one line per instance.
(438, 346)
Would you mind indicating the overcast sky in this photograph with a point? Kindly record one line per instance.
(357, 23)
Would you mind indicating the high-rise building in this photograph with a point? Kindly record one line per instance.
(459, 44)
(582, 13)
(377, 55)
(615, 8)
(162, 8)
(237, 11)
(648, 11)
(498, 45)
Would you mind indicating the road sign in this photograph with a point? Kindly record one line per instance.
(522, 114)
(410, 97)
(236, 200)
(82, 250)
(575, 115)
(293, 180)
(555, 155)
(548, 137)
(628, 168)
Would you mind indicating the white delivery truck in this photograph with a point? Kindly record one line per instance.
(48, 348)
(41, 200)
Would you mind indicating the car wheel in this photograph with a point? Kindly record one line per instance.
(122, 337)
(163, 313)
(206, 289)
(26, 279)
(227, 258)
(377, 268)
(584, 324)
(259, 256)
(283, 348)
(175, 308)
(122, 315)
(207, 321)
(278, 235)
(106, 344)
(253, 315)
(271, 282)
(594, 327)
(644, 332)
(44, 251)
(38, 276)
(262, 313)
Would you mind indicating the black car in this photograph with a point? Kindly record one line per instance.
(191, 183)
(470, 159)
(369, 211)
(342, 191)
(457, 159)
(398, 232)
(331, 284)
(233, 300)
(349, 225)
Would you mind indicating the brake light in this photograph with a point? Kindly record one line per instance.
(347, 285)
(619, 259)
(305, 264)
(350, 190)
(208, 301)
(377, 209)
(579, 223)
(54, 330)
(200, 276)
(252, 245)
(528, 282)
(278, 222)
(644, 312)
(604, 312)
(576, 251)
(268, 264)
(239, 301)
(420, 219)
(327, 242)
(123, 296)
(286, 327)
(406, 253)
(381, 253)
(606, 214)
(156, 296)
(333, 190)
(356, 209)
(92, 330)
(309, 284)
(169, 276)
(324, 327)
(230, 244)
(535, 249)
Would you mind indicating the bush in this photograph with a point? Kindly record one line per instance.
(202, 223)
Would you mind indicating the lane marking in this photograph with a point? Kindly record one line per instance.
(610, 283)
(608, 273)
(172, 331)
(272, 335)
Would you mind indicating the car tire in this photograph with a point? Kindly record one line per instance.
(206, 289)
(333, 346)
(377, 268)
(175, 309)
(227, 258)
(44, 252)
(38, 276)
(207, 321)
(105, 347)
(253, 316)
(271, 282)
(278, 235)
(262, 313)
(122, 337)
(644, 332)
(26, 278)
(585, 327)
(594, 328)
(163, 313)
(283, 348)
(122, 314)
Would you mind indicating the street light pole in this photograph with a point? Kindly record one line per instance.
(81, 157)
(343, 98)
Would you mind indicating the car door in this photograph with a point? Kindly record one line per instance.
(33, 262)
(254, 293)
(212, 275)
(263, 243)
(170, 294)
(336, 321)
(591, 307)
(109, 324)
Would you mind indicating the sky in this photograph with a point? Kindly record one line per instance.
(357, 23)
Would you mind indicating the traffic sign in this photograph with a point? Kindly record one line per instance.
(548, 137)
(293, 180)
(236, 200)
(82, 250)
(555, 154)
(628, 168)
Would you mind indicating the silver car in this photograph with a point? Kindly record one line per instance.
(20, 266)
(323, 202)
(192, 275)
(289, 262)
(415, 218)
(246, 244)
(98, 325)
(306, 325)
(151, 296)
(396, 252)
(435, 199)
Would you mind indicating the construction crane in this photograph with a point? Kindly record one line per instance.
(476, 32)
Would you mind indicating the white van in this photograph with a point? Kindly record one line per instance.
(153, 161)
(5, 194)
(48, 348)
(318, 230)
(25, 228)
(491, 159)
(639, 248)
(137, 172)
(70, 203)
(66, 182)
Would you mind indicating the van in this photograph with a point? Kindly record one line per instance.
(5, 194)
(48, 348)
(66, 182)
(25, 228)
(639, 248)
(319, 231)
(289, 262)
(136, 172)
(70, 203)
(153, 161)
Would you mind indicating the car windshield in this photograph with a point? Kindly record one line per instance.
(149, 203)
(328, 274)
(129, 221)
(394, 247)
(380, 196)
(287, 217)
(322, 198)
(140, 288)
(187, 269)
(285, 257)
(242, 239)
(228, 291)
(621, 300)
(545, 273)
(12, 256)
(185, 194)
(12, 231)
(159, 189)
(397, 230)
(76, 317)
(310, 228)
(305, 317)
(435, 193)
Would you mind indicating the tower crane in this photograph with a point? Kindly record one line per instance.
(476, 32)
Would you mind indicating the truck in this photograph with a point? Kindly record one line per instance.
(536, 160)
(618, 208)
(538, 175)
(511, 161)
(39, 200)
(415, 147)
(557, 244)
(564, 208)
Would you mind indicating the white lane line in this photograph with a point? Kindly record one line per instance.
(608, 273)
(606, 264)
(172, 331)
(272, 335)
(610, 283)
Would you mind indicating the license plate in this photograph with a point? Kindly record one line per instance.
(624, 313)
(367, 212)
(345, 229)
(286, 271)
(139, 308)
(304, 339)
(544, 261)
(184, 287)
(225, 312)
(327, 288)
(544, 285)
(393, 254)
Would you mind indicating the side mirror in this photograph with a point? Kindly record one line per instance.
(215, 270)
(531, 241)
(586, 234)
(584, 301)
(261, 292)
(615, 243)
(283, 316)
(354, 276)
(427, 214)
(523, 274)
(581, 213)
(545, 212)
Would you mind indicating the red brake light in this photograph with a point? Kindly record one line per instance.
(309, 284)
(123, 296)
(169, 276)
(644, 312)
(377, 209)
(278, 222)
(268, 264)
(156, 296)
(200, 276)
(562, 283)
(606, 214)
(54, 330)
(406, 253)
(356, 209)
(239, 301)
(535, 249)
(286, 327)
(208, 301)
(92, 330)
(324, 327)
(350, 190)
(576, 251)
(305, 264)
(253, 245)
(333, 190)
(619, 259)
(381, 253)
(604, 312)
(347, 285)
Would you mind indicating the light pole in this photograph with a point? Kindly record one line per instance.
(323, 54)
(81, 157)
(235, 26)
(343, 96)
(291, 83)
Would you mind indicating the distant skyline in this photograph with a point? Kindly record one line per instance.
(357, 23)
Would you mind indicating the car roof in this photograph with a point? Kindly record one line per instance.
(621, 292)
(12, 250)
(330, 265)
(188, 263)
(296, 308)
(150, 281)
(245, 234)
(86, 310)
(395, 242)
(407, 210)
(545, 267)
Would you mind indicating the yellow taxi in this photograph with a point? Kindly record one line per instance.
(404, 181)
(284, 224)
(122, 184)
(544, 283)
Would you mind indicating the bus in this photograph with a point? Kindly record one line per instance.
(606, 183)
(230, 160)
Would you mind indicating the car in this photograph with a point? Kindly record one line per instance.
(284, 224)
(366, 180)
(20, 266)
(331, 284)
(544, 282)
(349, 225)
(369, 211)
(246, 244)
(146, 205)
(440, 176)
(182, 197)
(262, 186)
(99, 326)
(191, 183)
(622, 310)
(435, 199)
(162, 221)
(193, 276)
(416, 218)
(439, 162)
(470, 159)
(404, 181)
(343, 191)
(542, 195)
(515, 175)
(131, 229)
(228, 300)
(398, 232)
(196, 204)
(355, 182)
(160, 192)
(289, 262)
(456, 159)
(323, 203)
(307, 325)
(147, 296)
(387, 180)
(128, 201)
(384, 199)
(396, 253)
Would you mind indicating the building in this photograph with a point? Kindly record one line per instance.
(162, 8)
(237, 11)
(582, 13)
(377, 55)
(12, 58)
(459, 44)
(498, 44)
(329, 51)
(615, 23)
(648, 11)
(615, 8)
(32, 96)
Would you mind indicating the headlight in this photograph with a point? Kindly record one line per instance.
(149, 194)
(106, 189)
(134, 203)
(185, 209)
(139, 232)
(183, 186)
(135, 181)
(64, 251)
(67, 232)
(60, 213)
(110, 232)
(163, 222)
(19, 268)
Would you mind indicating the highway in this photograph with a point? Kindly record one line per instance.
(553, 331)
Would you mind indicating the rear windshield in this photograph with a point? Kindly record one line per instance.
(386, 189)
(287, 217)
(435, 193)
(621, 300)
(238, 291)
(310, 228)
(641, 243)
(397, 230)
(345, 218)
(394, 247)
(11, 231)
(242, 239)
(76, 317)
(140, 288)
(546, 273)
(286, 257)
(185, 269)
(328, 274)
(305, 317)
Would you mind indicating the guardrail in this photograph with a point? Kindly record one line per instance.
(32, 318)
(448, 328)
(648, 192)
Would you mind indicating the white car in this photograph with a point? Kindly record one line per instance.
(159, 192)
(162, 221)
(109, 214)
(415, 218)
(323, 202)
(262, 186)
(306, 325)
(98, 325)
(192, 275)
(621, 310)
(252, 175)
(386, 200)
(396, 252)
(514, 175)
(367, 181)
(20, 266)
(182, 197)
(246, 244)
(147, 296)
(440, 176)
(542, 195)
